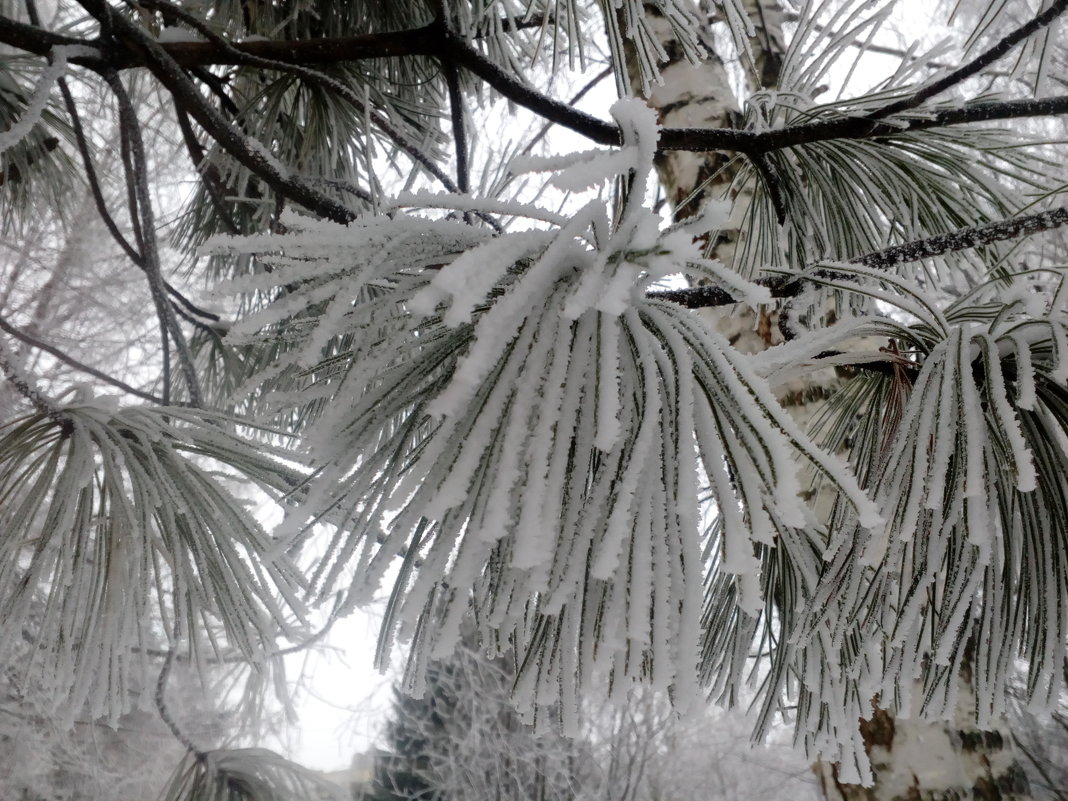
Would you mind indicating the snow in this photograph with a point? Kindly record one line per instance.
(35, 108)
(545, 442)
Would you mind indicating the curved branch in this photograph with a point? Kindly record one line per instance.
(985, 59)
(51, 350)
(422, 41)
(249, 152)
(314, 76)
(138, 181)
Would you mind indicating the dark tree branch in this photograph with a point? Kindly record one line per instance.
(772, 184)
(70, 361)
(138, 178)
(91, 176)
(985, 59)
(966, 239)
(314, 76)
(251, 154)
(425, 41)
(789, 286)
(207, 172)
(459, 132)
(217, 86)
(853, 127)
(101, 204)
(460, 52)
(38, 40)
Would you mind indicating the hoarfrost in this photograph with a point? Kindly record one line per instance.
(512, 414)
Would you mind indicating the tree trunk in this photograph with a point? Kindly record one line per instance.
(911, 760)
(917, 760)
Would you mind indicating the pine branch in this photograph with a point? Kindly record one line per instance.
(250, 153)
(204, 168)
(91, 175)
(973, 67)
(789, 286)
(167, 60)
(25, 387)
(966, 239)
(13, 174)
(314, 76)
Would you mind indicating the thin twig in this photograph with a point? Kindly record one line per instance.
(91, 176)
(314, 76)
(208, 173)
(164, 712)
(984, 59)
(101, 204)
(131, 132)
(166, 59)
(459, 132)
(51, 350)
(772, 184)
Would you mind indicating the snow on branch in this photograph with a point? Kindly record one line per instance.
(969, 467)
(516, 421)
(38, 101)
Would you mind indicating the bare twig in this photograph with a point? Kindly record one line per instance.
(984, 59)
(51, 350)
(459, 132)
(206, 171)
(138, 177)
(164, 712)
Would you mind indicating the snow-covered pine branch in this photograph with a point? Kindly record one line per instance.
(515, 418)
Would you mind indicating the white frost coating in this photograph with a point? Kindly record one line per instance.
(35, 108)
(534, 531)
(498, 326)
(517, 417)
(1060, 374)
(608, 428)
(618, 295)
(1025, 373)
(469, 278)
(467, 202)
(834, 467)
(945, 443)
(595, 170)
(973, 420)
(1010, 425)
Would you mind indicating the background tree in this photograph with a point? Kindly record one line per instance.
(463, 739)
(495, 396)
